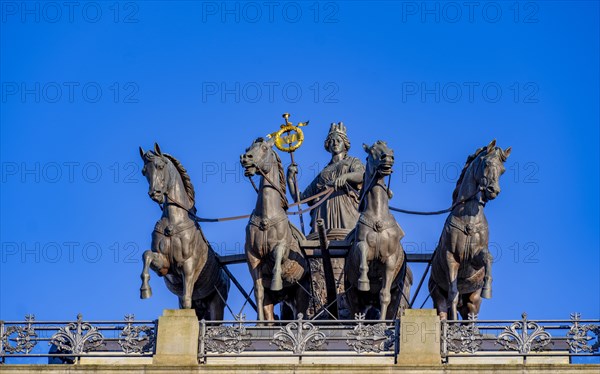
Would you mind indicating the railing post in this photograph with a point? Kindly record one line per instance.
(444, 345)
(1, 342)
(396, 339)
(201, 353)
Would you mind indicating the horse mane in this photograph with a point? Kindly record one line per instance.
(367, 179)
(187, 182)
(282, 183)
(468, 163)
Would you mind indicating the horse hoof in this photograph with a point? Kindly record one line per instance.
(486, 293)
(276, 285)
(363, 286)
(145, 294)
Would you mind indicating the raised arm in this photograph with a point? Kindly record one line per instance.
(292, 173)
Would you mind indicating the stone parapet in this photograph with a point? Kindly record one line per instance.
(301, 369)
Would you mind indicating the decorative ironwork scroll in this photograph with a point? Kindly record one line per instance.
(299, 336)
(77, 337)
(578, 339)
(228, 339)
(25, 337)
(369, 338)
(464, 337)
(136, 339)
(524, 341)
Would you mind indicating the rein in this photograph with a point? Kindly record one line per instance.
(271, 184)
(448, 210)
(325, 193)
(482, 185)
(373, 183)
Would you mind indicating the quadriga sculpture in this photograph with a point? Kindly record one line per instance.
(277, 265)
(180, 252)
(376, 269)
(461, 266)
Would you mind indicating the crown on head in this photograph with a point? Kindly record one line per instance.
(337, 128)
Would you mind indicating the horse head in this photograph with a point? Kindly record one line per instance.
(488, 168)
(259, 157)
(157, 172)
(380, 160)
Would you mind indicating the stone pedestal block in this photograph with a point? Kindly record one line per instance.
(420, 334)
(177, 338)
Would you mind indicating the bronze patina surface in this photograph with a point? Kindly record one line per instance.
(180, 253)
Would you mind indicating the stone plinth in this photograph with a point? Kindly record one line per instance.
(420, 331)
(177, 338)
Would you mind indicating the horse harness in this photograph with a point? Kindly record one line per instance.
(168, 231)
(264, 224)
(378, 225)
(469, 230)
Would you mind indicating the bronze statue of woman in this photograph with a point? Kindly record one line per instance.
(339, 212)
(345, 174)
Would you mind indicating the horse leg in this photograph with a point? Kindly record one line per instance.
(463, 308)
(216, 307)
(440, 300)
(259, 296)
(188, 282)
(353, 300)
(269, 307)
(301, 299)
(486, 293)
(385, 296)
(473, 304)
(395, 303)
(363, 280)
(201, 307)
(453, 285)
(277, 282)
(259, 289)
(146, 290)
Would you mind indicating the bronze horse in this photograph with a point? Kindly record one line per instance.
(376, 251)
(180, 252)
(461, 265)
(278, 268)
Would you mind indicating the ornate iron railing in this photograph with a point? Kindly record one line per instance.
(298, 338)
(473, 337)
(68, 341)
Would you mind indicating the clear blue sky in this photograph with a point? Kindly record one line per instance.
(83, 87)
